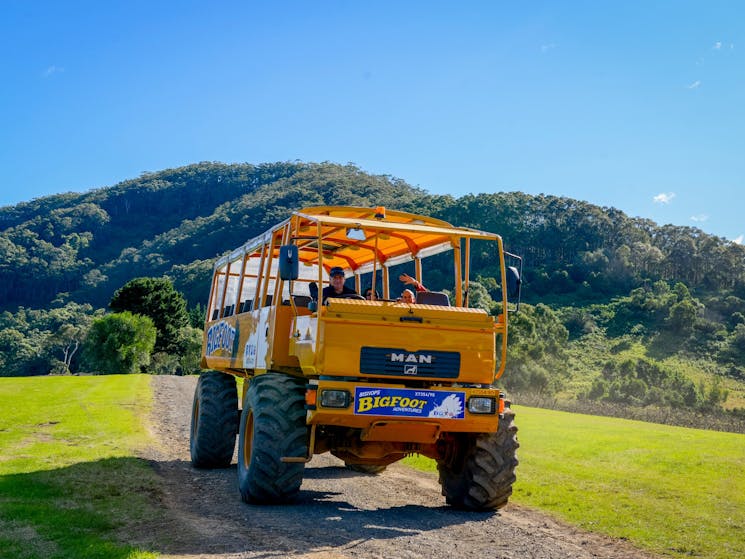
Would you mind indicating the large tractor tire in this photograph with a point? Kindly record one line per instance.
(478, 472)
(214, 420)
(272, 427)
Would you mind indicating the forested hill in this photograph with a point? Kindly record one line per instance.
(88, 245)
(84, 246)
(619, 310)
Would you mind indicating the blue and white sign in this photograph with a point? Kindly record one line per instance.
(220, 339)
(400, 402)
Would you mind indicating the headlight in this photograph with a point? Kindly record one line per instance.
(481, 404)
(335, 398)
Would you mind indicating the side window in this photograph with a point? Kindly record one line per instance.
(301, 287)
(271, 283)
(231, 293)
(219, 286)
(308, 273)
(250, 291)
(250, 282)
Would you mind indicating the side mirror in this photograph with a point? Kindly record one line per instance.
(289, 263)
(513, 282)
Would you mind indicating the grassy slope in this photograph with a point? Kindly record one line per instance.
(669, 489)
(705, 373)
(587, 356)
(68, 480)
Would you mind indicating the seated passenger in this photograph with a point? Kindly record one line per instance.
(370, 295)
(407, 296)
(407, 279)
(336, 287)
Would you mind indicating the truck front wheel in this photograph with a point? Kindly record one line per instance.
(478, 471)
(272, 427)
(214, 420)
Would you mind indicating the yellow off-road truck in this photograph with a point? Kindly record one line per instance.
(370, 380)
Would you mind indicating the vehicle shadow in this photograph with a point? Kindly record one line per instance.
(327, 513)
(169, 507)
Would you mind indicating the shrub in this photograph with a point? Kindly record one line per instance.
(119, 343)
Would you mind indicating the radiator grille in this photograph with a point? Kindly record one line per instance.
(400, 362)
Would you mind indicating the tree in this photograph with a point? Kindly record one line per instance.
(191, 342)
(157, 299)
(536, 351)
(119, 343)
(479, 298)
(67, 327)
(196, 316)
(17, 352)
(682, 317)
(68, 338)
(734, 348)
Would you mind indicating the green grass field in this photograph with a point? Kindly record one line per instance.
(671, 490)
(69, 482)
(68, 479)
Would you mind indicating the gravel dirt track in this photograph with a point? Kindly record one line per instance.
(340, 514)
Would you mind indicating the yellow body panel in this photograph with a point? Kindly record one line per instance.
(349, 325)
(236, 339)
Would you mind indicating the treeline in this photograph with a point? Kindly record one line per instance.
(175, 222)
(147, 329)
(66, 243)
(84, 246)
(593, 276)
(575, 248)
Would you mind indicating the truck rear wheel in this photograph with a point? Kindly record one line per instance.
(214, 421)
(272, 427)
(479, 471)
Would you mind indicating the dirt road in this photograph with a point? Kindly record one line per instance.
(340, 514)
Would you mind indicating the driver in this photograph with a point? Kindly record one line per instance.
(336, 287)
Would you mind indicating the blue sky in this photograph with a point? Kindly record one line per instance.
(636, 105)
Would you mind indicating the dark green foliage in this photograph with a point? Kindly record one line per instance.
(197, 315)
(607, 276)
(19, 354)
(193, 280)
(682, 317)
(185, 361)
(190, 342)
(479, 297)
(733, 349)
(39, 342)
(643, 382)
(258, 205)
(736, 318)
(157, 299)
(666, 321)
(570, 245)
(119, 343)
(536, 350)
(176, 221)
(578, 321)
